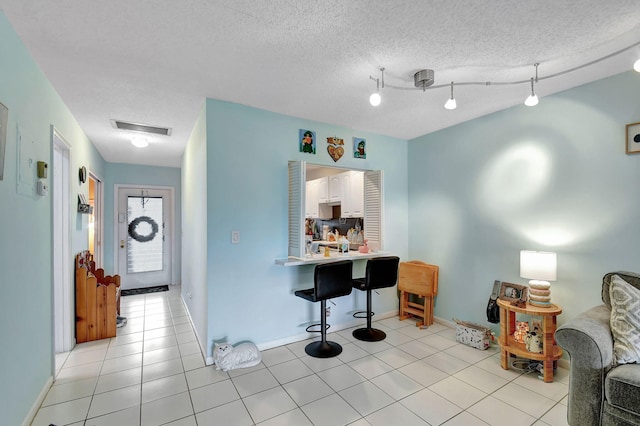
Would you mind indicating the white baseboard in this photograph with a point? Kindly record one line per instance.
(304, 336)
(36, 405)
(203, 351)
(444, 322)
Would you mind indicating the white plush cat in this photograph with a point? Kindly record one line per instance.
(227, 357)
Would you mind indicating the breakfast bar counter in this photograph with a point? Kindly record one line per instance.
(335, 256)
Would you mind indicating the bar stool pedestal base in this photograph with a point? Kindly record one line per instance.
(323, 349)
(369, 334)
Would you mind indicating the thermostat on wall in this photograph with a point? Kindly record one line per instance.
(42, 188)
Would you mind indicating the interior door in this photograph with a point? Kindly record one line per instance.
(144, 236)
(63, 287)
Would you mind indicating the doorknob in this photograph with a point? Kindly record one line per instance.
(121, 243)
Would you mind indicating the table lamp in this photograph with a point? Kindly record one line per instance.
(540, 267)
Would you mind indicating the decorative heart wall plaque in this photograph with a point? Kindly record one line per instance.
(335, 148)
(335, 153)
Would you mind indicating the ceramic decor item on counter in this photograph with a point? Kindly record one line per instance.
(344, 245)
(364, 248)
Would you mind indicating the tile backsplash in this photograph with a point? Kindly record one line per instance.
(342, 225)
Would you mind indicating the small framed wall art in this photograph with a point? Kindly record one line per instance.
(633, 139)
(307, 139)
(359, 148)
(513, 292)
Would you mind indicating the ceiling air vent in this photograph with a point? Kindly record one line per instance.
(137, 127)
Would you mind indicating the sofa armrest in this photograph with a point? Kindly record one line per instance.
(587, 338)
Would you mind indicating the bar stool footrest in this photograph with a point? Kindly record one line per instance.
(362, 314)
(317, 325)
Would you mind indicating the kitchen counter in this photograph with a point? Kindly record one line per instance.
(335, 257)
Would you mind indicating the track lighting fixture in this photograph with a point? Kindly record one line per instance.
(375, 98)
(424, 80)
(451, 102)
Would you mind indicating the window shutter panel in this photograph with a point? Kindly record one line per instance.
(373, 208)
(297, 189)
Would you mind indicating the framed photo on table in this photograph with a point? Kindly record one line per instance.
(513, 292)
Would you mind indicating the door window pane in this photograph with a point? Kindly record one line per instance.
(145, 236)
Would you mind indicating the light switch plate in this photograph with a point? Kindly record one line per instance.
(235, 237)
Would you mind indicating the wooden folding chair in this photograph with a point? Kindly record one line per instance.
(419, 279)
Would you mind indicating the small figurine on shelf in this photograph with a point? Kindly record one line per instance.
(522, 328)
(533, 341)
(364, 248)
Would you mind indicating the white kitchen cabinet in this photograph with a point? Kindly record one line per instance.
(335, 188)
(352, 202)
(311, 200)
(323, 190)
(316, 189)
(357, 194)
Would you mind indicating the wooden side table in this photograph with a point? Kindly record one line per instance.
(551, 351)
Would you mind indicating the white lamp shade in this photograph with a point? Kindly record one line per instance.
(538, 265)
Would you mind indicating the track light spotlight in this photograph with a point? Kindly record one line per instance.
(375, 97)
(451, 102)
(532, 100)
(636, 66)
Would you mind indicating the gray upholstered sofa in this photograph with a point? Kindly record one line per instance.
(600, 392)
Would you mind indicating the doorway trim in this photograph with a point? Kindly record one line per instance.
(98, 219)
(172, 231)
(62, 283)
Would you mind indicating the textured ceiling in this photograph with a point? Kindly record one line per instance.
(154, 62)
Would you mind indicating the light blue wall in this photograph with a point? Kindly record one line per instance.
(194, 227)
(553, 177)
(132, 174)
(26, 231)
(247, 153)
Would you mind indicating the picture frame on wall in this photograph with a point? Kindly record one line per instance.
(359, 148)
(4, 118)
(513, 292)
(633, 139)
(307, 140)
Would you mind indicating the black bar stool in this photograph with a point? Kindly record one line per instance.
(330, 280)
(381, 272)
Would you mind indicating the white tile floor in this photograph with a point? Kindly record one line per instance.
(152, 373)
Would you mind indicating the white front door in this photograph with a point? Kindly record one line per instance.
(144, 236)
